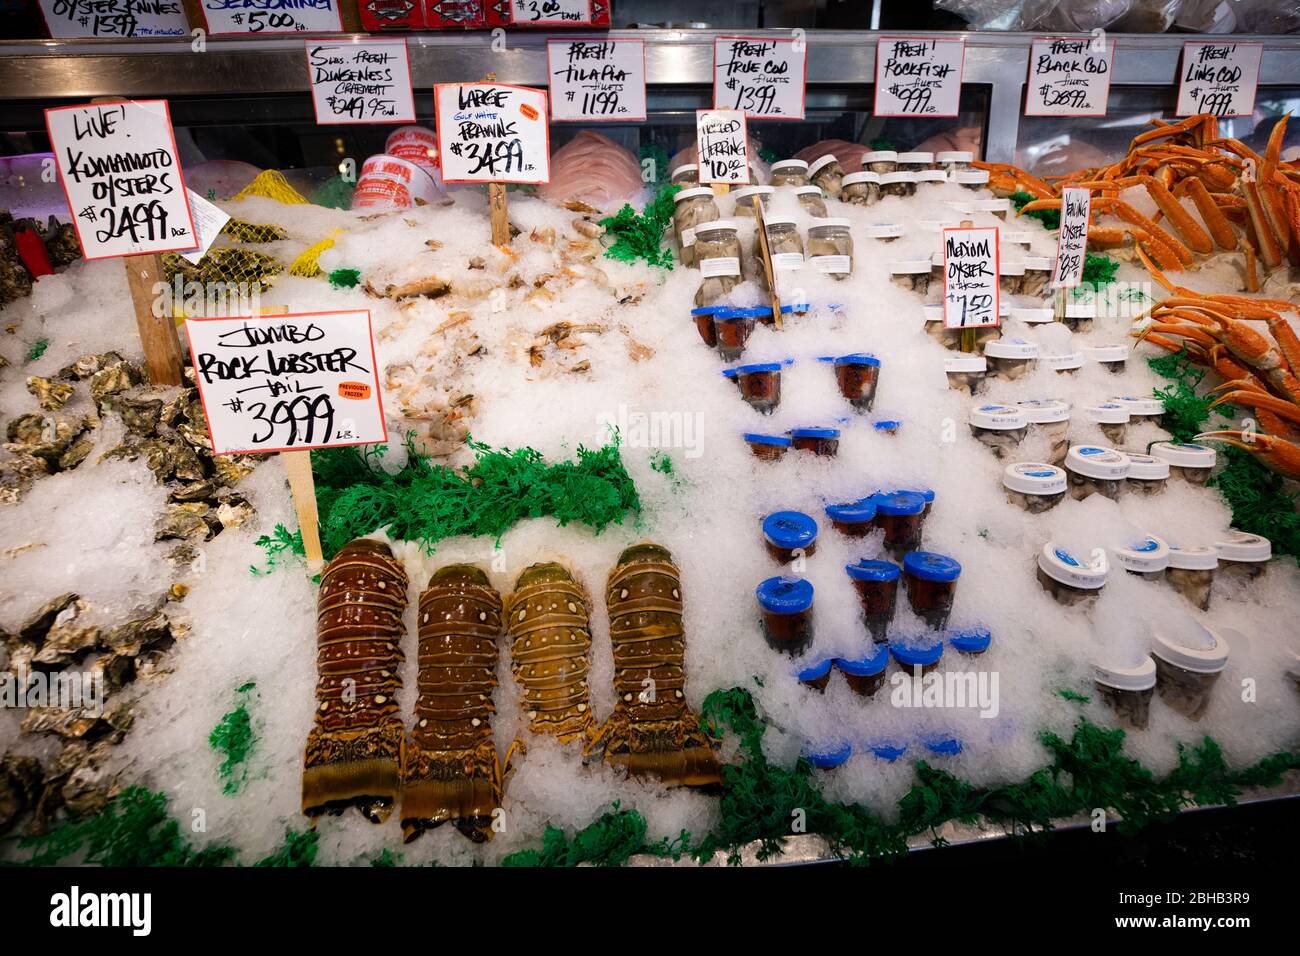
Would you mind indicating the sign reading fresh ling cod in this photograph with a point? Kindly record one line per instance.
(916, 76)
(492, 132)
(1072, 241)
(762, 77)
(361, 82)
(596, 79)
(1068, 77)
(722, 146)
(970, 278)
(1219, 78)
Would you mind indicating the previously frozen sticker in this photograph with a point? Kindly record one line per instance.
(491, 132)
(596, 79)
(918, 77)
(209, 220)
(1072, 240)
(76, 19)
(722, 146)
(1069, 76)
(970, 278)
(761, 77)
(366, 82)
(119, 169)
(1219, 77)
(272, 16)
(288, 382)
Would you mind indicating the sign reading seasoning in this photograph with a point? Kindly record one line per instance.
(722, 146)
(73, 19)
(1219, 78)
(596, 79)
(120, 172)
(1072, 241)
(491, 132)
(970, 278)
(763, 78)
(366, 82)
(288, 382)
(1069, 77)
(272, 16)
(918, 77)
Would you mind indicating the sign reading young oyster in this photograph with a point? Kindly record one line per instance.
(916, 76)
(970, 278)
(762, 77)
(492, 133)
(722, 146)
(366, 82)
(75, 19)
(1072, 241)
(1069, 76)
(122, 177)
(270, 16)
(288, 382)
(1219, 77)
(596, 79)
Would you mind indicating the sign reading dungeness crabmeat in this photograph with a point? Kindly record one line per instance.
(288, 382)
(492, 133)
(722, 146)
(360, 82)
(970, 278)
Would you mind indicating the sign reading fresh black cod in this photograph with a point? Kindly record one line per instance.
(1069, 77)
(596, 79)
(916, 76)
(1219, 77)
(722, 146)
(761, 76)
(1072, 241)
(492, 133)
(119, 169)
(288, 382)
(970, 278)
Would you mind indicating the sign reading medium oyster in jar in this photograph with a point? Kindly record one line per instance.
(75, 19)
(1069, 76)
(492, 133)
(918, 76)
(366, 82)
(122, 178)
(596, 79)
(764, 78)
(1219, 77)
(1072, 241)
(722, 145)
(970, 278)
(272, 16)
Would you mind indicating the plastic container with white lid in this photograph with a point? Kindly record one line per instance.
(825, 171)
(899, 184)
(1038, 273)
(1069, 578)
(1011, 275)
(1147, 475)
(1079, 315)
(686, 173)
(1110, 417)
(955, 157)
(1185, 676)
(1243, 554)
(884, 231)
(1144, 409)
(931, 176)
(1191, 572)
(744, 198)
(1147, 557)
(789, 172)
(1033, 315)
(1127, 689)
(1114, 357)
(911, 274)
(880, 160)
(812, 199)
(1000, 427)
(973, 179)
(965, 371)
(860, 189)
(693, 208)
(1093, 469)
(1049, 419)
(1034, 486)
(1187, 460)
(998, 207)
(830, 246)
(1065, 364)
(916, 158)
(1010, 358)
(1021, 237)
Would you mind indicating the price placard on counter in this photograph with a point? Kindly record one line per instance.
(366, 82)
(722, 146)
(545, 13)
(492, 133)
(596, 79)
(763, 78)
(288, 382)
(916, 76)
(76, 19)
(122, 178)
(1072, 240)
(1069, 76)
(1219, 77)
(970, 278)
(271, 16)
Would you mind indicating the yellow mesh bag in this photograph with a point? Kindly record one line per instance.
(307, 264)
(253, 232)
(272, 184)
(233, 265)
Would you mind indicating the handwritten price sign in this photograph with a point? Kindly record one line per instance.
(1072, 241)
(272, 16)
(552, 12)
(288, 382)
(1069, 77)
(918, 77)
(71, 19)
(492, 133)
(120, 172)
(970, 278)
(722, 146)
(361, 82)
(596, 79)
(1219, 78)
(762, 78)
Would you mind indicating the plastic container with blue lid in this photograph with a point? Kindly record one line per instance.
(733, 328)
(703, 318)
(767, 447)
(858, 375)
(816, 675)
(942, 745)
(901, 515)
(865, 675)
(787, 608)
(931, 581)
(876, 583)
(760, 385)
(924, 652)
(820, 441)
(887, 426)
(970, 640)
(827, 758)
(855, 520)
(887, 750)
(789, 534)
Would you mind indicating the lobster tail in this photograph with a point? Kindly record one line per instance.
(652, 731)
(452, 772)
(353, 756)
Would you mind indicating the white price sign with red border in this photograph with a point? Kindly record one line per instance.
(919, 76)
(764, 78)
(492, 133)
(1219, 77)
(592, 80)
(1069, 76)
(722, 146)
(1072, 240)
(260, 17)
(971, 263)
(365, 82)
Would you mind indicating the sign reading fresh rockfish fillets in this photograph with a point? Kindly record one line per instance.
(596, 79)
(1219, 77)
(970, 278)
(1069, 77)
(491, 132)
(763, 78)
(288, 382)
(360, 82)
(918, 77)
(722, 146)
(122, 177)
(272, 16)
(1072, 241)
(74, 19)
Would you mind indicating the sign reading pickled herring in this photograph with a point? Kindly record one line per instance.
(970, 278)
(596, 79)
(72, 19)
(1219, 78)
(1069, 77)
(272, 16)
(288, 382)
(492, 132)
(361, 82)
(1072, 241)
(763, 78)
(119, 169)
(918, 77)
(722, 146)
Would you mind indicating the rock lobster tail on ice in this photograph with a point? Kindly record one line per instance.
(452, 770)
(354, 752)
(652, 732)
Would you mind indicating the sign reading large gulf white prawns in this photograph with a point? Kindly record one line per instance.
(1219, 77)
(360, 82)
(970, 278)
(762, 77)
(596, 79)
(1069, 76)
(722, 146)
(491, 132)
(916, 76)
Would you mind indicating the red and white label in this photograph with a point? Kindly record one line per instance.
(762, 77)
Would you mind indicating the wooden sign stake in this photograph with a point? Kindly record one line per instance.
(303, 488)
(1058, 311)
(162, 346)
(500, 214)
(766, 254)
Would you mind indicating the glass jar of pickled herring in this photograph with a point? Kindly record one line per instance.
(790, 172)
(825, 172)
(783, 242)
(1092, 469)
(717, 253)
(861, 189)
(744, 199)
(880, 161)
(692, 208)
